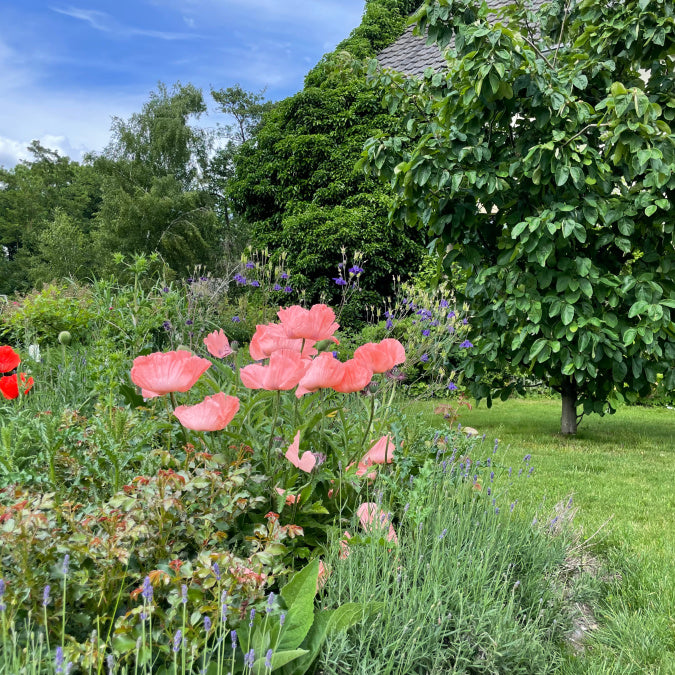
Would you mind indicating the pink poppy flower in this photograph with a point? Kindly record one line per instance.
(382, 452)
(373, 518)
(306, 462)
(286, 368)
(381, 356)
(344, 546)
(161, 373)
(269, 338)
(355, 376)
(316, 323)
(214, 413)
(9, 385)
(324, 372)
(290, 499)
(218, 344)
(9, 359)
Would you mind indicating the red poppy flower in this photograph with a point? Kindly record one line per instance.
(9, 359)
(214, 413)
(218, 344)
(284, 371)
(9, 385)
(381, 356)
(161, 373)
(316, 323)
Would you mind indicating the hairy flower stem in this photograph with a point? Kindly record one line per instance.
(277, 401)
(370, 422)
(174, 405)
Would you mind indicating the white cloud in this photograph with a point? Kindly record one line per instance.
(104, 22)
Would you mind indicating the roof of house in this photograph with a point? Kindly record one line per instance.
(412, 56)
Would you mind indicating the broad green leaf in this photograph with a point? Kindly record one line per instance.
(567, 314)
(629, 336)
(639, 307)
(298, 594)
(279, 659)
(562, 173)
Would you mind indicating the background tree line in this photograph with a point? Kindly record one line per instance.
(281, 176)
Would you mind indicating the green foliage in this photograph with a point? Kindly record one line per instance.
(549, 173)
(43, 201)
(42, 315)
(154, 195)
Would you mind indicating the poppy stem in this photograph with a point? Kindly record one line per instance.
(274, 424)
(174, 404)
(370, 421)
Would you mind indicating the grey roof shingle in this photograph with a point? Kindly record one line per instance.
(411, 55)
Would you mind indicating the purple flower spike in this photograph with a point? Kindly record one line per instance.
(207, 624)
(177, 640)
(147, 591)
(216, 570)
(233, 635)
(45, 595)
(58, 660)
(268, 659)
(66, 564)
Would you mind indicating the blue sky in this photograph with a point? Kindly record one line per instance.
(68, 66)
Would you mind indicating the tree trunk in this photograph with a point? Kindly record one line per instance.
(568, 420)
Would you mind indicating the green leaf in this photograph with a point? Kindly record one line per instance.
(562, 173)
(651, 210)
(629, 336)
(279, 659)
(567, 314)
(639, 307)
(298, 594)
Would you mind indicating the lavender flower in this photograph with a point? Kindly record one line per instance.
(270, 603)
(110, 661)
(268, 659)
(183, 594)
(249, 658)
(251, 617)
(45, 595)
(177, 640)
(58, 660)
(207, 624)
(66, 564)
(442, 534)
(216, 570)
(233, 635)
(3, 606)
(282, 618)
(147, 591)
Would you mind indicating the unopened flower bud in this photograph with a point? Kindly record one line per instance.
(65, 338)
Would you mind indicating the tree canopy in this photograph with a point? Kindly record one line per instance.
(542, 161)
(296, 182)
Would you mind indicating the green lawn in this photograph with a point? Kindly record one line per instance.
(621, 471)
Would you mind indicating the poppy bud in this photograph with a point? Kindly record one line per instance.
(234, 346)
(65, 338)
(325, 345)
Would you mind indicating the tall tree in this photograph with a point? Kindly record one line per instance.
(32, 195)
(543, 162)
(296, 184)
(155, 194)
